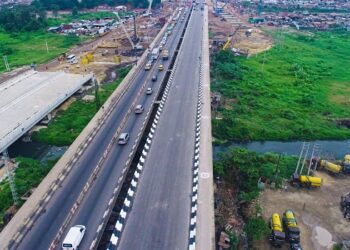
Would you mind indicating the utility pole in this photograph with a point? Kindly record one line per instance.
(7, 66)
(277, 167)
(97, 96)
(47, 47)
(10, 177)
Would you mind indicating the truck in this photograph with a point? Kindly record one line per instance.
(277, 236)
(155, 54)
(335, 168)
(290, 226)
(165, 54)
(345, 205)
(71, 59)
(306, 181)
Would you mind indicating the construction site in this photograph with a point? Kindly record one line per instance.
(230, 30)
(120, 46)
(310, 209)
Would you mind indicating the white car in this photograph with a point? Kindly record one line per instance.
(139, 109)
(149, 91)
(123, 138)
(73, 237)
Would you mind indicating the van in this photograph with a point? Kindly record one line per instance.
(123, 138)
(72, 59)
(73, 237)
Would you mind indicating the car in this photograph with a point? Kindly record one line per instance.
(123, 138)
(154, 78)
(73, 237)
(139, 109)
(149, 91)
(148, 66)
(160, 67)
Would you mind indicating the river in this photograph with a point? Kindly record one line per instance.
(331, 149)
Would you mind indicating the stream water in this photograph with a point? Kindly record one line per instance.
(36, 150)
(335, 149)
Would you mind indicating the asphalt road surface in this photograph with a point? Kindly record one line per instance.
(91, 210)
(159, 218)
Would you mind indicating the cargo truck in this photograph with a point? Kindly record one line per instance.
(291, 227)
(345, 205)
(165, 54)
(155, 54)
(277, 236)
(306, 181)
(335, 168)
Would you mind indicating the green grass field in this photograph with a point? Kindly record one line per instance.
(294, 91)
(27, 47)
(27, 176)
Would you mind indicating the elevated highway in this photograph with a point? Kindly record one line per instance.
(83, 195)
(164, 207)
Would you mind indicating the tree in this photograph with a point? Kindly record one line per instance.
(22, 18)
(55, 8)
(75, 12)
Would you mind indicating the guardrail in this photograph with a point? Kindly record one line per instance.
(106, 111)
(195, 168)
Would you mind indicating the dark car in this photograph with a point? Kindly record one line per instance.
(154, 78)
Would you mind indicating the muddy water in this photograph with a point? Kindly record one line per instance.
(322, 238)
(36, 150)
(336, 149)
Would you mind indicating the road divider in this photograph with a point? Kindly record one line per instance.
(196, 156)
(149, 132)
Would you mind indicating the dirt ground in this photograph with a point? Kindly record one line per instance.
(255, 43)
(317, 212)
(113, 48)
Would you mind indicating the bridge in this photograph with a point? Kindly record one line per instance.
(28, 98)
(155, 192)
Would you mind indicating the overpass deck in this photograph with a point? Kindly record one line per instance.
(29, 97)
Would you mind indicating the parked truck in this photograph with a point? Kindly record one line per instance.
(165, 54)
(291, 227)
(306, 181)
(335, 168)
(277, 236)
(345, 205)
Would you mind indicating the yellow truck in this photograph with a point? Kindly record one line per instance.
(290, 226)
(277, 236)
(336, 168)
(331, 167)
(306, 181)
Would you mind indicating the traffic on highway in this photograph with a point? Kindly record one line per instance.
(54, 225)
